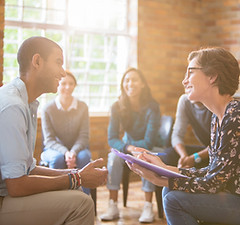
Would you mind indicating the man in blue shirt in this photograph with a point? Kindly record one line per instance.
(42, 195)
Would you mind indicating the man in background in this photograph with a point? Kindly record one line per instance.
(199, 117)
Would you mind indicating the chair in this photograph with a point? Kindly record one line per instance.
(165, 132)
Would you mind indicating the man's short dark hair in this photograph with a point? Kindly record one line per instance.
(31, 46)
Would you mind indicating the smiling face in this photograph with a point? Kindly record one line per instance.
(52, 71)
(132, 84)
(66, 86)
(196, 83)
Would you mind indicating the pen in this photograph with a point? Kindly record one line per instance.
(151, 153)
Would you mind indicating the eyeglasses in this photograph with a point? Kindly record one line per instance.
(191, 68)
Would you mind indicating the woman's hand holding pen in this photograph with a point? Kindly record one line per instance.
(136, 150)
(147, 156)
(151, 159)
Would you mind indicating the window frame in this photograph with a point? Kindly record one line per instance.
(67, 29)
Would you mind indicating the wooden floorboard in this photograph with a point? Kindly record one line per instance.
(128, 215)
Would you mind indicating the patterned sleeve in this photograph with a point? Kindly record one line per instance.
(223, 170)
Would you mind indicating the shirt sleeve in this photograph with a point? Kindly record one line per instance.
(180, 124)
(15, 157)
(114, 130)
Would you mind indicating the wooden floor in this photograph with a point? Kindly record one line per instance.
(128, 215)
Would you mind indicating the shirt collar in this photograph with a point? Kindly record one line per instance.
(72, 106)
(21, 87)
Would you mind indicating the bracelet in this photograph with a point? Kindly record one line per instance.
(74, 179)
(70, 181)
(197, 158)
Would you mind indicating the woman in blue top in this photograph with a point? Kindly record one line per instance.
(137, 115)
(210, 194)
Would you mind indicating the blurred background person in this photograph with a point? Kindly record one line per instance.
(198, 117)
(137, 114)
(65, 127)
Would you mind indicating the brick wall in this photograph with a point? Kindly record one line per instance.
(168, 30)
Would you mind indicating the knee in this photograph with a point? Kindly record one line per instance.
(57, 162)
(80, 205)
(114, 161)
(83, 158)
(86, 202)
(170, 201)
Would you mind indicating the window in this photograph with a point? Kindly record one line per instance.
(95, 35)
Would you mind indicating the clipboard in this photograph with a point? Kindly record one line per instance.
(157, 169)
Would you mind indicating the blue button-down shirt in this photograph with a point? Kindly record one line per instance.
(18, 128)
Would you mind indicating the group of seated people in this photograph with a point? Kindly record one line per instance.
(65, 128)
(212, 182)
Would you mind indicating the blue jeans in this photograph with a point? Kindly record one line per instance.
(182, 208)
(56, 160)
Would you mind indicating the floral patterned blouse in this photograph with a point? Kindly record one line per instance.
(223, 171)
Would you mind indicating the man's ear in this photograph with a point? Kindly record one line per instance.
(36, 60)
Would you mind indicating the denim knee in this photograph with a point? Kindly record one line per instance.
(115, 168)
(147, 186)
(83, 158)
(55, 159)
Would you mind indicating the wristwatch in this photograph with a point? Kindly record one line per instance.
(197, 158)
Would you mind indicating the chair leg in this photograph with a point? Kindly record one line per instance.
(158, 192)
(125, 183)
(94, 197)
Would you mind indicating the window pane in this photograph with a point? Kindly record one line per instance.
(55, 17)
(11, 48)
(12, 13)
(33, 3)
(32, 15)
(27, 33)
(11, 33)
(95, 14)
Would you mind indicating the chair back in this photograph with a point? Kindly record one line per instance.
(165, 130)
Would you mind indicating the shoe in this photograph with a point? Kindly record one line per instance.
(147, 215)
(112, 212)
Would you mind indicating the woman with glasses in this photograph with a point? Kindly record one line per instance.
(210, 194)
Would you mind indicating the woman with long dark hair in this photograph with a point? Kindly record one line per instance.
(136, 115)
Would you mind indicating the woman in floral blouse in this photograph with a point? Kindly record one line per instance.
(210, 194)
